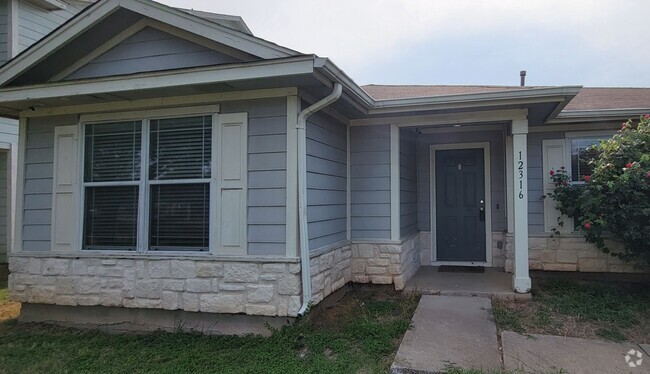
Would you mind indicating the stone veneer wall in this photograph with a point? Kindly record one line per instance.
(567, 253)
(196, 285)
(386, 263)
(330, 271)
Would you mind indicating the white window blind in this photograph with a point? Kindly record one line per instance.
(581, 156)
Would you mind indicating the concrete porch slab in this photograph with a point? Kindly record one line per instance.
(546, 353)
(646, 348)
(494, 282)
(449, 330)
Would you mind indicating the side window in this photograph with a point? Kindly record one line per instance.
(581, 156)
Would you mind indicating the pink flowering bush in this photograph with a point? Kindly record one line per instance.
(615, 198)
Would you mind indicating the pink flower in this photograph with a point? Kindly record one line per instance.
(629, 165)
(647, 175)
(587, 178)
(552, 173)
(624, 125)
(646, 116)
(587, 225)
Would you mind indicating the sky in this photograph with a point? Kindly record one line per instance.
(585, 42)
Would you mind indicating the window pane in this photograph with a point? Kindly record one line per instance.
(180, 217)
(581, 156)
(112, 151)
(180, 148)
(111, 218)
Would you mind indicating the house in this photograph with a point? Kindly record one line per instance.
(173, 161)
(22, 23)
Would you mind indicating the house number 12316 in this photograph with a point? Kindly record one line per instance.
(520, 171)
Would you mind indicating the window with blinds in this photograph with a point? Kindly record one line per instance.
(179, 178)
(582, 154)
(175, 186)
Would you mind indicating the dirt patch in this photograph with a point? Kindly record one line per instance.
(9, 310)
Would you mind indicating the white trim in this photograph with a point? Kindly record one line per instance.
(348, 186)
(172, 101)
(13, 30)
(509, 166)
(394, 184)
(194, 256)
(150, 113)
(446, 119)
(576, 127)
(521, 278)
(291, 221)
(488, 199)
(49, 5)
(465, 128)
(598, 115)
(570, 136)
(162, 79)
(20, 187)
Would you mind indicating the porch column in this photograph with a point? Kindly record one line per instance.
(521, 278)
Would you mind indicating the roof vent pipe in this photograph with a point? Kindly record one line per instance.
(522, 75)
(302, 191)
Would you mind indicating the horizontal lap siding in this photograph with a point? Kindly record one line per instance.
(34, 23)
(267, 178)
(497, 172)
(326, 180)
(536, 179)
(408, 182)
(370, 181)
(3, 32)
(150, 50)
(37, 190)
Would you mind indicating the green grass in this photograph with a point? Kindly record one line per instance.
(4, 292)
(359, 334)
(608, 311)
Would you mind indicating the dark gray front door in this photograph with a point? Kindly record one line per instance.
(460, 208)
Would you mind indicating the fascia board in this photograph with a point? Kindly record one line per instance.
(598, 115)
(165, 79)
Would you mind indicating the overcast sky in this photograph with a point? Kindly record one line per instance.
(588, 42)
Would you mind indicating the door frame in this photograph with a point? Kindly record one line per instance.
(485, 146)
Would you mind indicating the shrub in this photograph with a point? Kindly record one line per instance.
(615, 198)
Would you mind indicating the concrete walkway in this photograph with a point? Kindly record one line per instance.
(551, 354)
(449, 330)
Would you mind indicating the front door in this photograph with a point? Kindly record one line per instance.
(460, 205)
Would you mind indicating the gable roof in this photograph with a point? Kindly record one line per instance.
(588, 99)
(66, 34)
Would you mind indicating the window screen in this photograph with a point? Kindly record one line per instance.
(581, 156)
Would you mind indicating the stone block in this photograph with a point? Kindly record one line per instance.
(338, 283)
(381, 279)
(534, 254)
(259, 294)
(110, 271)
(86, 286)
(377, 262)
(183, 269)
(126, 263)
(241, 272)
(147, 289)
(270, 277)
(560, 267)
(548, 255)
(56, 266)
(159, 269)
(232, 287)
(190, 302)
(399, 282)
(261, 310)
(143, 303)
(289, 284)
(111, 298)
(171, 300)
(534, 265)
(389, 248)
(370, 270)
(366, 250)
(294, 306)
(79, 267)
(88, 300)
(357, 278)
(569, 256)
(273, 268)
(172, 285)
(326, 261)
(198, 285)
(394, 269)
(209, 270)
(592, 264)
(294, 268)
(68, 300)
(19, 265)
(108, 262)
(64, 286)
(222, 303)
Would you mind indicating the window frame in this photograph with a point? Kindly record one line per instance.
(144, 184)
(571, 136)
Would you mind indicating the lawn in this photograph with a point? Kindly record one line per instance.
(584, 310)
(359, 334)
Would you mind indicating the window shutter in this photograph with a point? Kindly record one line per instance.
(65, 196)
(231, 155)
(553, 158)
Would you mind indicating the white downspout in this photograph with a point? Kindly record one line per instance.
(302, 191)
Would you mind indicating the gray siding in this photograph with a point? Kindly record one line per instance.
(408, 189)
(266, 176)
(3, 206)
(150, 50)
(326, 180)
(34, 22)
(37, 191)
(370, 181)
(267, 173)
(497, 172)
(536, 179)
(3, 32)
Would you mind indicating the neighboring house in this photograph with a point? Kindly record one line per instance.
(22, 23)
(173, 160)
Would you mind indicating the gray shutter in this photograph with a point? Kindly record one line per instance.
(553, 158)
(65, 196)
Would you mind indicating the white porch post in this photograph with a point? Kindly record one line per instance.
(521, 278)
